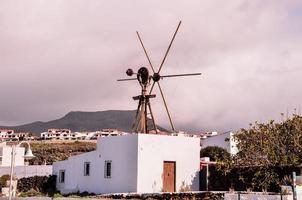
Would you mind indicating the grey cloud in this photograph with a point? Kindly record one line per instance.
(57, 56)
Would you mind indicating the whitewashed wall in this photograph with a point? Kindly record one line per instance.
(137, 164)
(121, 150)
(153, 150)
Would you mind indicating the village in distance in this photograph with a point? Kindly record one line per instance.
(64, 163)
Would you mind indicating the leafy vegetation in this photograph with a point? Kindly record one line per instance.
(271, 144)
(43, 185)
(79, 194)
(215, 153)
(31, 193)
(268, 154)
(57, 195)
(48, 152)
(4, 179)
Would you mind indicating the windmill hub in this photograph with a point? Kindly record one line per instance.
(156, 77)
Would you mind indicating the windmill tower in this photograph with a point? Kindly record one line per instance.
(144, 119)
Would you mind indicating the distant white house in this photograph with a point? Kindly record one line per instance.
(142, 163)
(6, 134)
(11, 135)
(224, 140)
(57, 134)
(67, 134)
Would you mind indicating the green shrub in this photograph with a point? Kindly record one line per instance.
(215, 153)
(31, 193)
(4, 179)
(80, 194)
(57, 195)
(42, 184)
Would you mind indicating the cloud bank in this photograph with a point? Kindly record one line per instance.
(57, 56)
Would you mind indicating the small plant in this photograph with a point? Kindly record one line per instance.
(287, 180)
(231, 189)
(42, 184)
(30, 193)
(184, 187)
(80, 194)
(4, 179)
(57, 195)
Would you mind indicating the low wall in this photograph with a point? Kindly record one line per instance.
(169, 196)
(256, 196)
(28, 170)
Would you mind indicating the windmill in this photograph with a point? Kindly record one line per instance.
(147, 82)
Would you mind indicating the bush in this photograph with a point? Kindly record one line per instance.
(57, 195)
(41, 184)
(215, 153)
(80, 194)
(30, 193)
(3, 180)
(257, 178)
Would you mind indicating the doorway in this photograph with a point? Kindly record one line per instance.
(169, 176)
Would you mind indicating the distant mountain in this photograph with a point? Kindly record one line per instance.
(83, 121)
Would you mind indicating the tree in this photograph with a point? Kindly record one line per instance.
(215, 153)
(271, 144)
(268, 151)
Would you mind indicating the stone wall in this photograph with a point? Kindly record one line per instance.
(28, 170)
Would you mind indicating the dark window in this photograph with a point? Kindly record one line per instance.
(62, 176)
(87, 169)
(108, 168)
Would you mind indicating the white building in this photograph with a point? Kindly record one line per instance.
(224, 140)
(6, 134)
(104, 133)
(67, 134)
(142, 163)
(6, 155)
(11, 135)
(57, 134)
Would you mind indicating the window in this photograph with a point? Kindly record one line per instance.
(61, 176)
(87, 169)
(108, 169)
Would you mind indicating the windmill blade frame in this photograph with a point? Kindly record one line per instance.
(147, 83)
(146, 54)
(169, 47)
(178, 75)
(127, 79)
(166, 106)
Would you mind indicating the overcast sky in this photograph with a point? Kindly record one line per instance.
(65, 55)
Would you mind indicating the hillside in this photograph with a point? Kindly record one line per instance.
(48, 153)
(82, 121)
